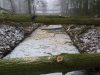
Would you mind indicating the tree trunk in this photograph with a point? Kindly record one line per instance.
(12, 6)
(44, 65)
(34, 8)
(29, 7)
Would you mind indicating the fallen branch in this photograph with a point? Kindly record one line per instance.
(5, 10)
(43, 65)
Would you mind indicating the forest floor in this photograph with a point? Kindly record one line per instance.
(74, 35)
(57, 39)
(46, 41)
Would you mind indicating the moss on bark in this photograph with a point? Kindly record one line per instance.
(42, 65)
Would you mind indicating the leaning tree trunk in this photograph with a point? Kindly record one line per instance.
(6, 10)
(49, 64)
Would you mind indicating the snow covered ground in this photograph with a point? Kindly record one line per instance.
(70, 73)
(45, 41)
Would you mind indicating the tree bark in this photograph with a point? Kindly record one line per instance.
(49, 64)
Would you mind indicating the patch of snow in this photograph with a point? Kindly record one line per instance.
(52, 27)
(53, 74)
(77, 73)
(80, 72)
(43, 43)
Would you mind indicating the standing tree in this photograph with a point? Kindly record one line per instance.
(12, 6)
(29, 6)
(64, 6)
(43, 5)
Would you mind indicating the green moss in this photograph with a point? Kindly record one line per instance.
(50, 19)
(44, 65)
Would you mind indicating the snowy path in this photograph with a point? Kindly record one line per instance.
(44, 42)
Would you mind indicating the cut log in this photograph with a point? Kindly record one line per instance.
(49, 64)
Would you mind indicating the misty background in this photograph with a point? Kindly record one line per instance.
(53, 7)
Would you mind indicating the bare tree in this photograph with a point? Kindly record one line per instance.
(29, 7)
(64, 7)
(12, 6)
(34, 7)
(43, 5)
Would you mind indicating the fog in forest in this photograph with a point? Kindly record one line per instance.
(30, 28)
(52, 7)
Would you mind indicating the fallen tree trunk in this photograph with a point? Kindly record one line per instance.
(5, 10)
(43, 65)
